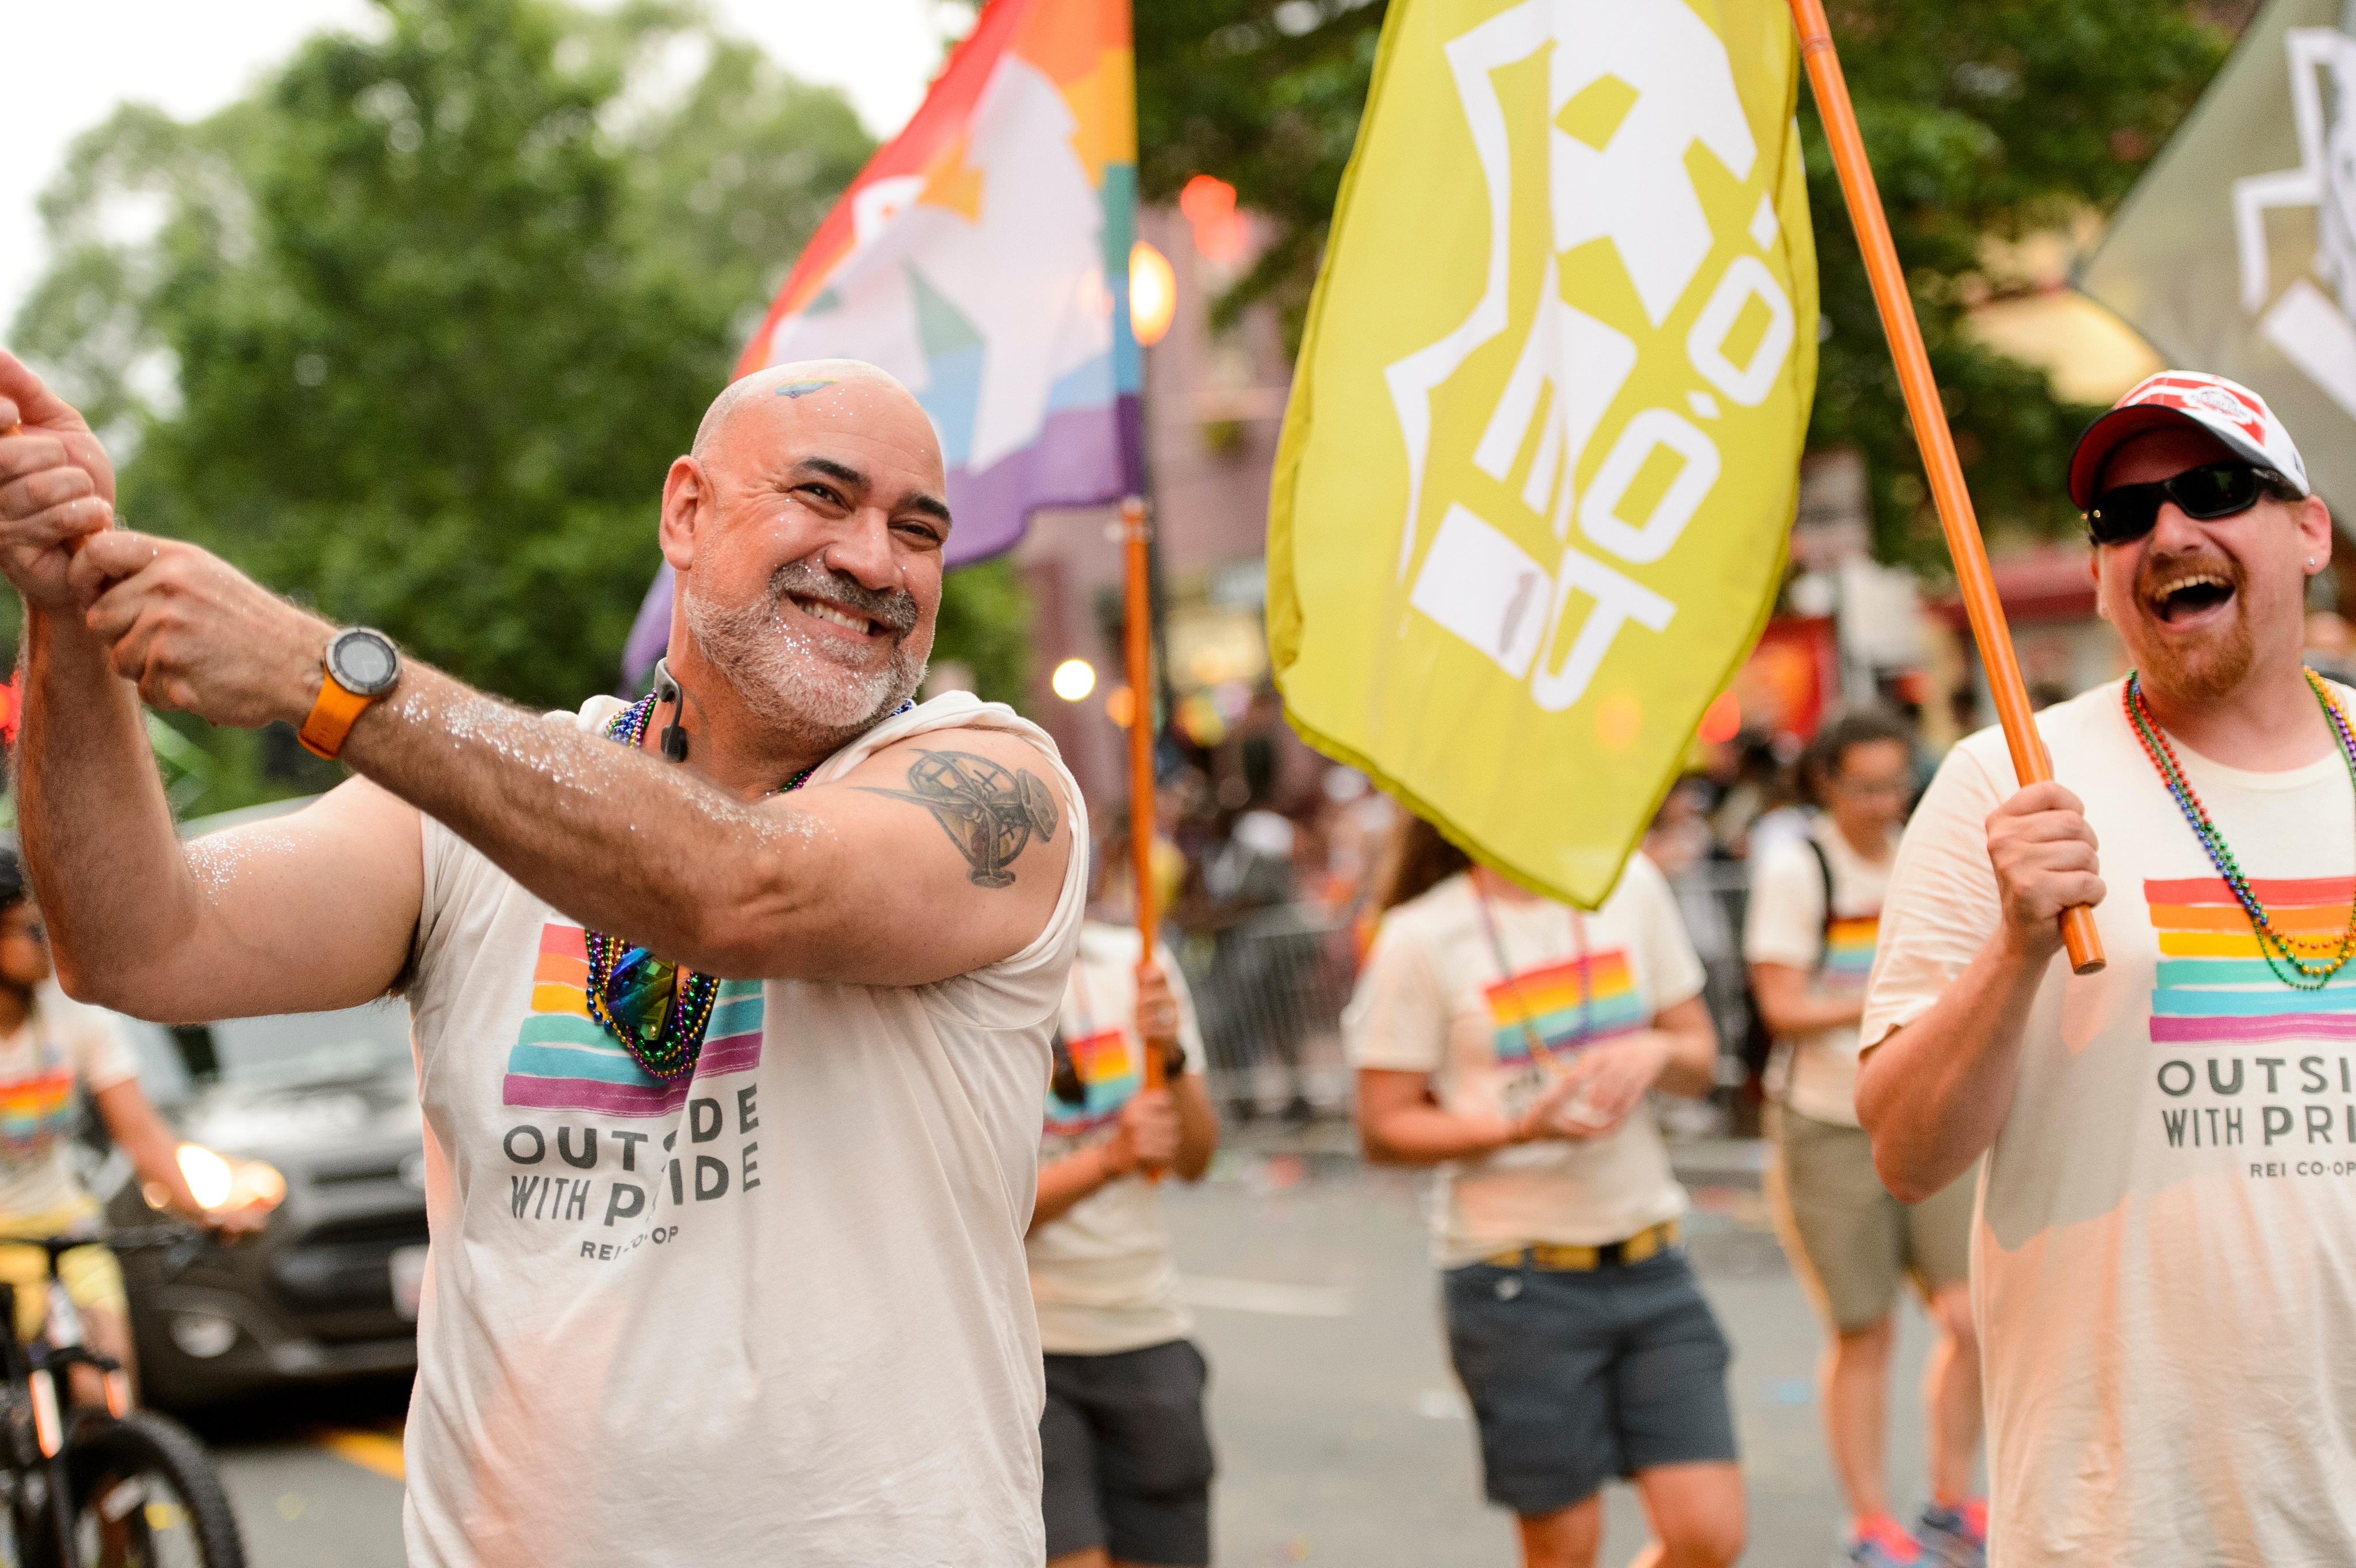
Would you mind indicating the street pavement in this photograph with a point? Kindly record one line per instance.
(1342, 1437)
(314, 1475)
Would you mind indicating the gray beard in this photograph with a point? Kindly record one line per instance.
(785, 678)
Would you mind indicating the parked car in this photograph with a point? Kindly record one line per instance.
(321, 1108)
(325, 1103)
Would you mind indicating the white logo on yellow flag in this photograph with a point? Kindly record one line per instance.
(1542, 453)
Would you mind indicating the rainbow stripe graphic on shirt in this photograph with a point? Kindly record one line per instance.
(1549, 997)
(563, 1062)
(36, 1111)
(1849, 955)
(2214, 986)
(1110, 1073)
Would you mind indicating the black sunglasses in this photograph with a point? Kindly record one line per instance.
(2125, 513)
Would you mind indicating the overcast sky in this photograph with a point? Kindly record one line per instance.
(71, 62)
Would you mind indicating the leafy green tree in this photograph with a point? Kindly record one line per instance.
(416, 329)
(1982, 118)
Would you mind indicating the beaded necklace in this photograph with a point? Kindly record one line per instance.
(2277, 949)
(656, 1007)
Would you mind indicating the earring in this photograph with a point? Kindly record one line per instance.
(2310, 563)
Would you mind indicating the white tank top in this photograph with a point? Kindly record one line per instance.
(776, 1313)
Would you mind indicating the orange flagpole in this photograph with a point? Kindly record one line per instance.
(1137, 639)
(2029, 762)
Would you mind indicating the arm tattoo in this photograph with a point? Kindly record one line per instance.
(989, 813)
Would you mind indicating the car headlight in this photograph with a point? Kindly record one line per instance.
(226, 1181)
(201, 1335)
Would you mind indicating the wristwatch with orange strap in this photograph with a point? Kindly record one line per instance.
(361, 665)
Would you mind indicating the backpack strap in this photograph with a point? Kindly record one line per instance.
(1825, 872)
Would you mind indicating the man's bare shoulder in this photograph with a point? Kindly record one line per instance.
(941, 854)
(991, 790)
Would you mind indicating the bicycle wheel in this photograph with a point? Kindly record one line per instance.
(146, 1497)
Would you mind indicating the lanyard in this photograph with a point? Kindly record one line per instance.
(1538, 1047)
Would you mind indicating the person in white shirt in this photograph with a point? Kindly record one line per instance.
(731, 1006)
(1126, 1455)
(2164, 1259)
(55, 1054)
(1509, 1040)
(1809, 935)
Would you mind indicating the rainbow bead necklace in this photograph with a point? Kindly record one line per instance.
(2305, 974)
(656, 1007)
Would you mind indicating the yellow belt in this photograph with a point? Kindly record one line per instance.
(1561, 1258)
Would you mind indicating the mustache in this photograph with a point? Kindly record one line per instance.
(895, 607)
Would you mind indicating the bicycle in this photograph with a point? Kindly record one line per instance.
(139, 1489)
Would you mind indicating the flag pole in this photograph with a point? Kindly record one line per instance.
(2029, 763)
(1136, 637)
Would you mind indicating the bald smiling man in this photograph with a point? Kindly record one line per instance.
(731, 1007)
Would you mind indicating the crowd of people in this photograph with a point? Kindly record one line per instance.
(847, 1020)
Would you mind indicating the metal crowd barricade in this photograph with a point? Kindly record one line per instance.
(1269, 993)
(1713, 896)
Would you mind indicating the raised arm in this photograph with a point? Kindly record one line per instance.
(1935, 1091)
(310, 913)
(931, 858)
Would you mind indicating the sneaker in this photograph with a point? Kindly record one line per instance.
(1877, 1541)
(1955, 1536)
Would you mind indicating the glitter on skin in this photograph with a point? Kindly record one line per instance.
(802, 388)
(217, 860)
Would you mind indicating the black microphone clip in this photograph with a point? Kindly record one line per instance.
(673, 739)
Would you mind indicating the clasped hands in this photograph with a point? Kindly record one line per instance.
(1609, 1079)
(191, 631)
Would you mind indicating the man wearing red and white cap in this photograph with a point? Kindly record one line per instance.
(2164, 1258)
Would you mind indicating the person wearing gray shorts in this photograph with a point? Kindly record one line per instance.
(1509, 1041)
(1810, 939)
(1125, 1453)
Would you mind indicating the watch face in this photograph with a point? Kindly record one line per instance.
(363, 661)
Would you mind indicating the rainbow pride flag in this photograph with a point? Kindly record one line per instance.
(1111, 1075)
(1549, 999)
(2214, 986)
(563, 1060)
(1849, 955)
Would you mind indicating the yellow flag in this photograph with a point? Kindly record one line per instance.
(1541, 459)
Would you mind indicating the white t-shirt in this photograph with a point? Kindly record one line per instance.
(62, 1046)
(1102, 1273)
(1434, 998)
(776, 1313)
(1785, 924)
(2164, 1266)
